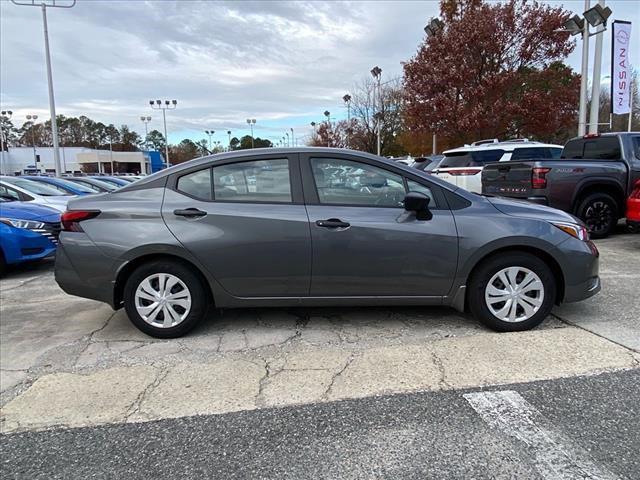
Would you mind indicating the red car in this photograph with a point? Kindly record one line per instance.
(633, 208)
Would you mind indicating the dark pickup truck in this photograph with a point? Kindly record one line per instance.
(592, 179)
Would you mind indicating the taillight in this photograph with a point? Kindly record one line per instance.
(538, 177)
(465, 172)
(71, 219)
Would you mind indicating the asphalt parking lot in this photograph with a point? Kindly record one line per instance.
(69, 362)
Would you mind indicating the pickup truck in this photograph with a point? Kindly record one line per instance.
(592, 179)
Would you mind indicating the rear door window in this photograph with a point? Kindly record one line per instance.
(603, 148)
(197, 184)
(257, 181)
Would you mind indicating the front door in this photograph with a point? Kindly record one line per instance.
(245, 221)
(364, 242)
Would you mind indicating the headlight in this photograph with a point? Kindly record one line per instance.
(577, 231)
(16, 222)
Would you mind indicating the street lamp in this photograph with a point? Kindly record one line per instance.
(210, 133)
(229, 134)
(376, 72)
(288, 143)
(4, 140)
(167, 105)
(33, 137)
(595, 16)
(251, 122)
(43, 4)
(293, 142)
(146, 121)
(328, 115)
(347, 100)
(433, 26)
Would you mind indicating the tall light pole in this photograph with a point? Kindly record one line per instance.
(33, 138)
(146, 121)
(210, 133)
(293, 141)
(229, 134)
(43, 4)
(597, 17)
(251, 122)
(579, 25)
(347, 101)
(288, 143)
(376, 72)
(4, 140)
(167, 105)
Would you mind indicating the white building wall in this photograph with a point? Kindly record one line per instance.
(20, 160)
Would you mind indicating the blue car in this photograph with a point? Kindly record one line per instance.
(62, 184)
(27, 232)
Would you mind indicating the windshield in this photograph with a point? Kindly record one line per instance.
(38, 188)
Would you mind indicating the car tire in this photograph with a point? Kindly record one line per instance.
(533, 304)
(174, 317)
(599, 211)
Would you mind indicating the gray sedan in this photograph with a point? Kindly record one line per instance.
(317, 227)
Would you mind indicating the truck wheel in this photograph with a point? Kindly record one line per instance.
(165, 299)
(512, 292)
(599, 211)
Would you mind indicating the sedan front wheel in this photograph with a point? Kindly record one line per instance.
(512, 292)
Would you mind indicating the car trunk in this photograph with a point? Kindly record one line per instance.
(512, 179)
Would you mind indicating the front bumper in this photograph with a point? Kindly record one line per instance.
(22, 245)
(580, 263)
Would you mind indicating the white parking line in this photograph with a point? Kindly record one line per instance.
(555, 456)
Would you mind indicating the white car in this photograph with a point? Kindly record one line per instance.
(25, 190)
(463, 166)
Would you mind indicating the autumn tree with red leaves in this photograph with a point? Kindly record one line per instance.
(493, 70)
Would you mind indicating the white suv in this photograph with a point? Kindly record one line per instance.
(463, 166)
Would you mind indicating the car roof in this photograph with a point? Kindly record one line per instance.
(508, 145)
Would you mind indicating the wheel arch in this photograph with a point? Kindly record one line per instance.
(610, 187)
(126, 269)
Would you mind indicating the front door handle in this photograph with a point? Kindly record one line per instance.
(333, 223)
(189, 213)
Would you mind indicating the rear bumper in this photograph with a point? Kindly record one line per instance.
(86, 282)
(539, 200)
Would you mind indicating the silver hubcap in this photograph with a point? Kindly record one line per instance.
(514, 294)
(163, 300)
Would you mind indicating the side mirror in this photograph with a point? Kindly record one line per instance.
(419, 203)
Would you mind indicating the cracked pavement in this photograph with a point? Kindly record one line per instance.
(70, 362)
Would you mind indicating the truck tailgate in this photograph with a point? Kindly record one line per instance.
(511, 179)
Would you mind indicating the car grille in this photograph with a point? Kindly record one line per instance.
(50, 230)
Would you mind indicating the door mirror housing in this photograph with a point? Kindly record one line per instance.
(419, 203)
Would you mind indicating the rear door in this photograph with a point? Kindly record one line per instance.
(245, 220)
(364, 242)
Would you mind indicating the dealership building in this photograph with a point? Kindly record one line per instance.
(77, 160)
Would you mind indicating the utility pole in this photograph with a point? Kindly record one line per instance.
(347, 100)
(33, 139)
(168, 105)
(376, 72)
(43, 4)
(584, 74)
(595, 81)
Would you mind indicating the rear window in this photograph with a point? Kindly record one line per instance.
(536, 153)
(602, 148)
(470, 159)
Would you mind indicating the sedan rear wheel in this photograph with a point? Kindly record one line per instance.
(165, 298)
(512, 291)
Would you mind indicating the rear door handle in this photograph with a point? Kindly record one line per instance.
(333, 223)
(189, 213)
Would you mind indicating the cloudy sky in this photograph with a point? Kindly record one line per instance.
(282, 63)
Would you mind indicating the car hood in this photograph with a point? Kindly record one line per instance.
(523, 209)
(22, 211)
